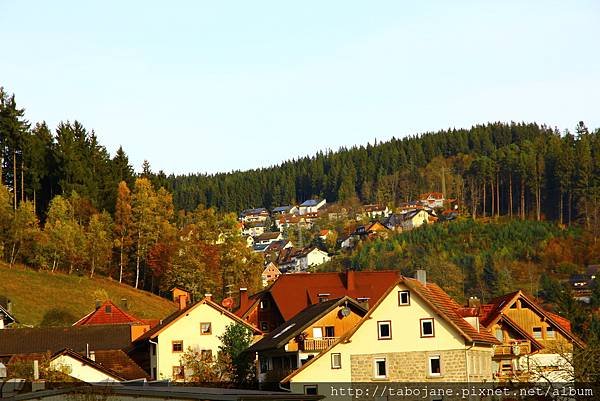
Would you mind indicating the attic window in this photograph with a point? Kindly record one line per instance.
(107, 309)
(427, 329)
(537, 332)
(403, 298)
(324, 297)
(550, 333)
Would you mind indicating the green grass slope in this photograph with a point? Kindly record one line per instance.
(33, 293)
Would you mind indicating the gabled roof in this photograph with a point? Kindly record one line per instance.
(53, 339)
(492, 312)
(269, 235)
(87, 361)
(292, 292)
(512, 324)
(118, 361)
(311, 202)
(168, 321)
(108, 313)
(437, 300)
(4, 310)
(291, 328)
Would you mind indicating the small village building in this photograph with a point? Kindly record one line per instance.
(254, 228)
(254, 215)
(281, 210)
(434, 200)
(376, 211)
(304, 336)
(268, 238)
(270, 274)
(311, 206)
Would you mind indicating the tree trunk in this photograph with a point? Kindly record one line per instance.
(137, 262)
(493, 205)
(570, 205)
(15, 178)
(483, 210)
(22, 181)
(93, 267)
(522, 198)
(121, 261)
(13, 255)
(560, 208)
(538, 201)
(497, 195)
(510, 195)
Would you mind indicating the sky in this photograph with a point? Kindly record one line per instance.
(212, 86)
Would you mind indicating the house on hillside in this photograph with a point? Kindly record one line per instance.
(270, 274)
(311, 206)
(414, 333)
(254, 228)
(304, 336)
(268, 238)
(254, 215)
(292, 293)
(197, 327)
(536, 345)
(6, 316)
(281, 210)
(414, 219)
(108, 313)
(582, 285)
(434, 200)
(293, 260)
(375, 211)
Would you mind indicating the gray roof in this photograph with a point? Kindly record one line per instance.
(311, 202)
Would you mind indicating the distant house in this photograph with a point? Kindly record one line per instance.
(109, 313)
(195, 327)
(325, 234)
(293, 260)
(582, 285)
(268, 238)
(254, 215)
(432, 199)
(376, 211)
(304, 336)
(254, 228)
(348, 242)
(281, 210)
(249, 240)
(286, 221)
(413, 219)
(270, 273)
(311, 206)
(6, 316)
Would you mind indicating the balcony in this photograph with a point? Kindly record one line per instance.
(515, 348)
(317, 344)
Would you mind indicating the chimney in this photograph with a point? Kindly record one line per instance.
(243, 297)
(474, 302)
(421, 275)
(182, 300)
(98, 304)
(93, 355)
(350, 279)
(124, 304)
(208, 297)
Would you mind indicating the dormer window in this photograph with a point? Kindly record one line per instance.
(403, 298)
(323, 297)
(537, 332)
(107, 309)
(550, 333)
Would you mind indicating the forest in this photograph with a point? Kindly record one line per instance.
(67, 205)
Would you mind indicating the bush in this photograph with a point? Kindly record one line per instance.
(57, 317)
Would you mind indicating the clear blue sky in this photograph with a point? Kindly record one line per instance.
(206, 86)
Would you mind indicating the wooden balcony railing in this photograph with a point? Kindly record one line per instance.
(515, 348)
(318, 344)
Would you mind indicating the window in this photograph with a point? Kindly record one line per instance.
(537, 332)
(336, 361)
(427, 329)
(178, 373)
(500, 335)
(435, 366)
(317, 332)
(108, 309)
(403, 298)
(384, 330)
(266, 364)
(379, 368)
(205, 328)
(310, 389)
(264, 304)
(264, 326)
(329, 331)
(206, 355)
(177, 346)
(550, 333)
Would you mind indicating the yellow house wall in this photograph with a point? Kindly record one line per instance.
(79, 370)
(187, 328)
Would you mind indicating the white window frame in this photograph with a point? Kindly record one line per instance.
(333, 360)
(537, 334)
(551, 330)
(400, 302)
(376, 374)
(429, 370)
(423, 335)
(381, 323)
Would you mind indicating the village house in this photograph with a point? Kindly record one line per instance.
(293, 260)
(292, 293)
(311, 206)
(254, 215)
(270, 274)
(375, 211)
(414, 333)
(268, 238)
(434, 200)
(196, 327)
(535, 344)
(254, 229)
(582, 285)
(6, 316)
(414, 219)
(304, 336)
(281, 210)
(287, 221)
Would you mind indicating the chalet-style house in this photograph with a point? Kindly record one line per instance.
(89, 353)
(254, 228)
(535, 344)
(254, 215)
(270, 273)
(292, 293)
(196, 327)
(376, 211)
(6, 316)
(109, 313)
(294, 260)
(434, 200)
(304, 336)
(414, 333)
(311, 206)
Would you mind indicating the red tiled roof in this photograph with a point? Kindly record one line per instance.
(563, 322)
(108, 313)
(293, 293)
(491, 311)
(119, 362)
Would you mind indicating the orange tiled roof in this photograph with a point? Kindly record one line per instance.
(108, 313)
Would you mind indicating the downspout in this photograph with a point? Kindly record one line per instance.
(156, 352)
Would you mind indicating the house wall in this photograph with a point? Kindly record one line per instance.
(81, 371)
(316, 257)
(187, 329)
(406, 350)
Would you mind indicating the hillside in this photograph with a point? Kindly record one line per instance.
(33, 293)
